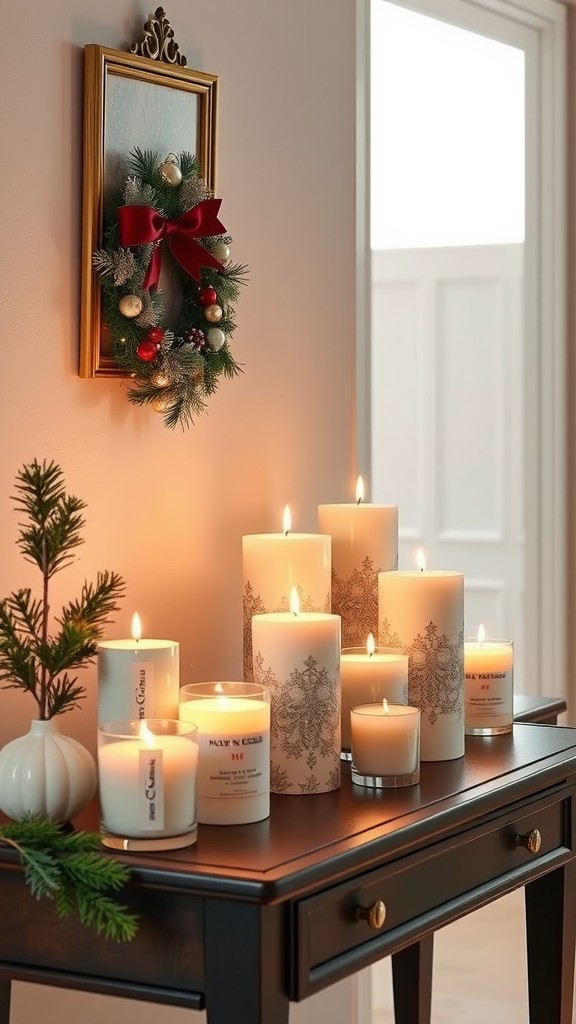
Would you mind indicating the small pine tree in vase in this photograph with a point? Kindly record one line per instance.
(45, 773)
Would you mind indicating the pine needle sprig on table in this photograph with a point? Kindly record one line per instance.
(67, 868)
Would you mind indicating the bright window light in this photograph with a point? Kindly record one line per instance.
(447, 134)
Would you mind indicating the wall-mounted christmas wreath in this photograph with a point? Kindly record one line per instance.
(167, 212)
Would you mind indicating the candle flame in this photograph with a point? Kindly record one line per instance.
(136, 627)
(146, 735)
(359, 490)
(385, 706)
(294, 602)
(287, 520)
(370, 644)
(481, 633)
(421, 559)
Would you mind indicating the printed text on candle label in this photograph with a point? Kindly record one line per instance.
(488, 695)
(151, 790)
(142, 689)
(238, 766)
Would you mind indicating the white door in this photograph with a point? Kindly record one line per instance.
(464, 428)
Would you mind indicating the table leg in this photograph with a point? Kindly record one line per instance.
(412, 982)
(5, 990)
(551, 944)
(244, 958)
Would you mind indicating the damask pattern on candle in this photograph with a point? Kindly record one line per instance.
(355, 599)
(435, 670)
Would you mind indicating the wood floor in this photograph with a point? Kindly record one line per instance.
(479, 970)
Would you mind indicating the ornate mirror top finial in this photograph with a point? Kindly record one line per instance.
(158, 42)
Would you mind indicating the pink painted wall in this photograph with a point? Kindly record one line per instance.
(165, 509)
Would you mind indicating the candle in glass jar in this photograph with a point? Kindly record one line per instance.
(385, 739)
(368, 675)
(272, 563)
(137, 678)
(489, 687)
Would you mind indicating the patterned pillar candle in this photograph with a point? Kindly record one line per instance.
(297, 656)
(422, 614)
(364, 543)
(272, 563)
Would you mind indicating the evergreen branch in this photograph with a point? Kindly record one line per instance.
(67, 869)
(63, 694)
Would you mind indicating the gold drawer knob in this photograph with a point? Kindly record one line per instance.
(531, 840)
(374, 915)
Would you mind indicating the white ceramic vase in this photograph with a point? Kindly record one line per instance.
(46, 773)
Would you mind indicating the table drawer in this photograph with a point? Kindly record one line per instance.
(423, 887)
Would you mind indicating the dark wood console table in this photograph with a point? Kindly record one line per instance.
(258, 915)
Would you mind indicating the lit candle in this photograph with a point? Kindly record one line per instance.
(489, 687)
(421, 613)
(137, 678)
(233, 721)
(297, 654)
(147, 780)
(385, 741)
(272, 564)
(368, 675)
(364, 543)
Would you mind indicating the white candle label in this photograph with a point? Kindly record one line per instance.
(143, 688)
(232, 767)
(151, 790)
(488, 694)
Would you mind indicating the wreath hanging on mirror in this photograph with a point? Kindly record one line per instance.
(167, 212)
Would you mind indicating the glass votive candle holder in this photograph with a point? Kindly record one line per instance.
(233, 722)
(147, 779)
(367, 675)
(385, 745)
(488, 687)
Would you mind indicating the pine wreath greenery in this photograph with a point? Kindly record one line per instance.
(173, 368)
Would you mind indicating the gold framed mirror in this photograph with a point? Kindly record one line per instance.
(147, 98)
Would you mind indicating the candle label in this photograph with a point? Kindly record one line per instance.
(489, 695)
(151, 790)
(237, 766)
(143, 689)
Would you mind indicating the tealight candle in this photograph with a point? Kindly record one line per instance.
(489, 687)
(137, 678)
(385, 745)
(147, 777)
(367, 675)
(233, 722)
(364, 543)
(272, 563)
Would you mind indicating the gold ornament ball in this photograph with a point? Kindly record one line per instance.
(130, 306)
(222, 252)
(215, 338)
(213, 313)
(162, 403)
(170, 173)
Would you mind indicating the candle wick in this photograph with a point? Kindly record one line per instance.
(359, 500)
(286, 532)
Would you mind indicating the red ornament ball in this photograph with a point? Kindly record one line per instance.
(147, 350)
(155, 334)
(207, 297)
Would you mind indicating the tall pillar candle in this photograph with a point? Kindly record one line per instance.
(364, 543)
(138, 678)
(298, 657)
(421, 613)
(369, 675)
(273, 563)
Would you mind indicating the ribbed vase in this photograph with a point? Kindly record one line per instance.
(46, 773)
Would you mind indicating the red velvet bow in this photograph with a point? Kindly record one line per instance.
(139, 225)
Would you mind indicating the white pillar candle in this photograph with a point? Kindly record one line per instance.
(364, 543)
(489, 687)
(273, 563)
(233, 722)
(137, 678)
(368, 675)
(421, 613)
(298, 657)
(385, 739)
(147, 779)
